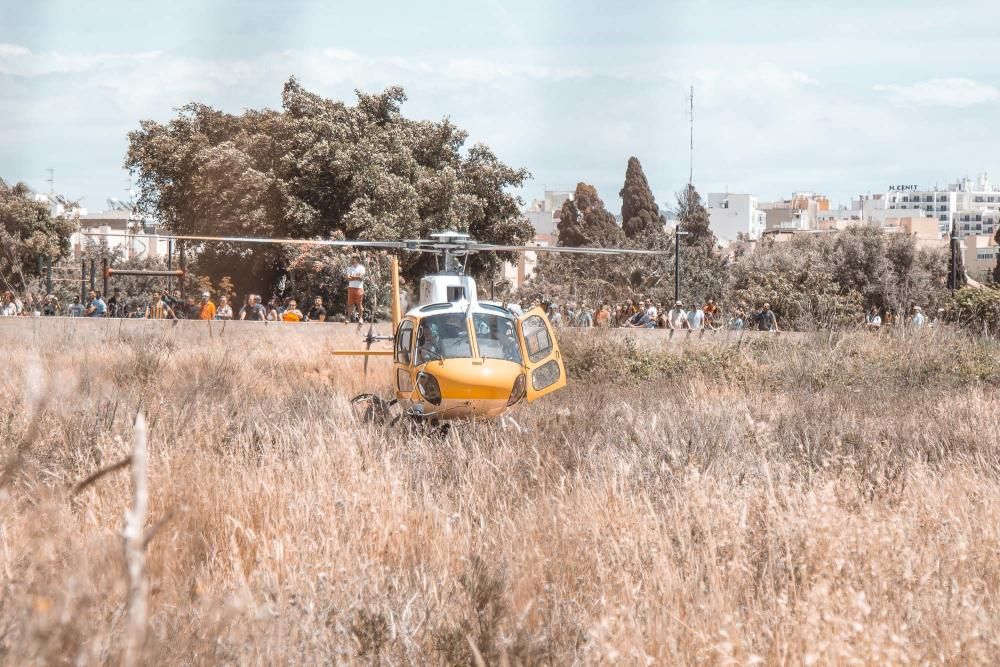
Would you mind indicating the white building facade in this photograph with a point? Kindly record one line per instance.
(734, 215)
(973, 206)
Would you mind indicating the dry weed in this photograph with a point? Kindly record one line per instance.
(830, 500)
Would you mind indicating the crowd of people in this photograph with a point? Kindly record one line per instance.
(639, 313)
(167, 305)
(644, 313)
(164, 305)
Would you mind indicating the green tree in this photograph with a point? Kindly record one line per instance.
(584, 221)
(640, 214)
(318, 168)
(28, 232)
(694, 220)
(996, 269)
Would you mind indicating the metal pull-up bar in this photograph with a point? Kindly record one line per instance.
(107, 272)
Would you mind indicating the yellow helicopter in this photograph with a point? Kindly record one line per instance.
(455, 357)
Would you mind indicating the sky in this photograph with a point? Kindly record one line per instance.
(838, 98)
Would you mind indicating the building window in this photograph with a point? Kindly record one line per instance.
(979, 199)
(944, 218)
(927, 198)
(942, 198)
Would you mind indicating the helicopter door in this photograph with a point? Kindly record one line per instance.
(542, 360)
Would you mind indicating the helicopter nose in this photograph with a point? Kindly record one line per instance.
(486, 380)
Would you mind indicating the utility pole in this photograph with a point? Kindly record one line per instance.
(677, 262)
(953, 277)
(687, 201)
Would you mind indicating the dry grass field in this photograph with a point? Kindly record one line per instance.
(819, 500)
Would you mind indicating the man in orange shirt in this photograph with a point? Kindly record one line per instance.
(207, 311)
(292, 312)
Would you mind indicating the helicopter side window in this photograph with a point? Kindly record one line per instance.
(442, 336)
(496, 337)
(536, 338)
(404, 342)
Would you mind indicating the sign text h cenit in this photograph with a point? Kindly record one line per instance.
(901, 188)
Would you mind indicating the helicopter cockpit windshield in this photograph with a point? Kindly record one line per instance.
(496, 337)
(442, 336)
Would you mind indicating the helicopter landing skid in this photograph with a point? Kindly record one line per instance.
(372, 408)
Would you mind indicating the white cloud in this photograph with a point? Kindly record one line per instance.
(342, 54)
(955, 93)
(13, 51)
(18, 61)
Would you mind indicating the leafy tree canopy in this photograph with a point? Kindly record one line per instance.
(28, 231)
(996, 270)
(584, 221)
(694, 220)
(640, 214)
(317, 168)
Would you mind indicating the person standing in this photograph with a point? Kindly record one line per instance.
(253, 311)
(710, 310)
(207, 309)
(97, 307)
(274, 310)
(158, 308)
(677, 317)
(7, 307)
(603, 319)
(51, 307)
(291, 313)
(356, 288)
(117, 304)
(766, 320)
(919, 320)
(696, 318)
(76, 308)
(874, 320)
(317, 313)
(225, 311)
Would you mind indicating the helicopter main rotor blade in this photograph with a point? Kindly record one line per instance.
(458, 248)
(481, 247)
(394, 245)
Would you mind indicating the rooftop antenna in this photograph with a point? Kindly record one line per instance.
(51, 181)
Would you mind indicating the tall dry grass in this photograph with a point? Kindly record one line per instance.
(827, 500)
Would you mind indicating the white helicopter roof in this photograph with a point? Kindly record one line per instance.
(455, 293)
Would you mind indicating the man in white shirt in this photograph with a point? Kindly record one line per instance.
(677, 317)
(696, 318)
(356, 287)
(919, 319)
(651, 315)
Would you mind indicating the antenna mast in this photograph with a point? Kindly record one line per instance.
(690, 115)
(51, 180)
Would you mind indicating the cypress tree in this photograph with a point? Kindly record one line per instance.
(640, 214)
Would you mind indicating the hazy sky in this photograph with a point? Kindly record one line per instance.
(838, 97)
